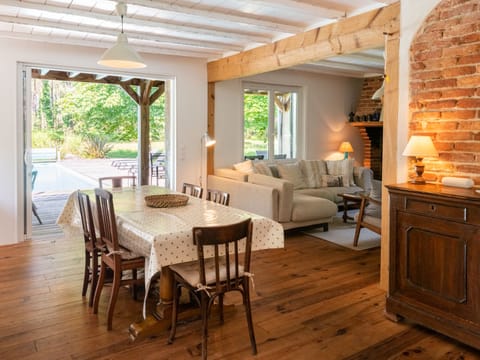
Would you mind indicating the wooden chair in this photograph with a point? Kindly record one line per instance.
(116, 257)
(117, 181)
(219, 197)
(370, 213)
(209, 279)
(92, 251)
(192, 190)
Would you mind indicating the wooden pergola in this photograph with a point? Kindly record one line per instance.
(143, 91)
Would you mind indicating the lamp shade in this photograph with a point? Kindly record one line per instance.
(377, 95)
(346, 147)
(121, 55)
(420, 147)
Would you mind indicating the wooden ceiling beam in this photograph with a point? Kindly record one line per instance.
(236, 19)
(132, 35)
(343, 37)
(221, 35)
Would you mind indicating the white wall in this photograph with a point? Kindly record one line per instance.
(327, 100)
(191, 113)
(412, 15)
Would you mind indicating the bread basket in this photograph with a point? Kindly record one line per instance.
(166, 200)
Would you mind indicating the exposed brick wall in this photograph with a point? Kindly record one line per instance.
(367, 106)
(445, 88)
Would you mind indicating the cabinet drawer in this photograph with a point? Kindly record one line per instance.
(455, 212)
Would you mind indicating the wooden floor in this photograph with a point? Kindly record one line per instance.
(315, 301)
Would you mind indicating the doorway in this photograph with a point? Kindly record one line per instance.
(79, 126)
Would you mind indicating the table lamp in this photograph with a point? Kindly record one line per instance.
(420, 147)
(346, 148)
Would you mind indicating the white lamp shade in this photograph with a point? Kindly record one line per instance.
(121, 55)
(420, 147)
(377, 95)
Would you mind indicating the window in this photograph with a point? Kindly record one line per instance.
(270, 121)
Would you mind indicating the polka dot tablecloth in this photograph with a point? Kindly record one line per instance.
(164, 236)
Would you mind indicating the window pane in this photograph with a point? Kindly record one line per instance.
(285, 125)
(255, 123)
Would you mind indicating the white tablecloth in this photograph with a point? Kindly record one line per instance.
(164, 236)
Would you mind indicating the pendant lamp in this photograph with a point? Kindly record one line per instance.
(121, 55)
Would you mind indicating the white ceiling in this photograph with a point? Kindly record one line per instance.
(209, 29)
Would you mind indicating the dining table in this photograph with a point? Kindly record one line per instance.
(164, 237)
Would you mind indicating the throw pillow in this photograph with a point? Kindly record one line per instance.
(331, 181)
(262, 168)
(374, 209)
(293, 174)
(343, 168)
(313, 171)
(274, 170)
(245, 167)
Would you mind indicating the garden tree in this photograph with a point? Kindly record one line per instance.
(256, 117)
(99, 113)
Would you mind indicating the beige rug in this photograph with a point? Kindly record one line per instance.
(342, 234)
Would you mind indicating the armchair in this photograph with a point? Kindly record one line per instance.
(370, 214)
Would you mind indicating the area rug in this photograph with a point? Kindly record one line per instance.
(342, 234)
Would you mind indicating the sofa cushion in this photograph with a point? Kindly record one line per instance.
(244, 167)
(331, 181)
(342, 168)
(231, 174)
(313, 171)
(292, 173)
(307, 208)
(374, 209)
(262, 168)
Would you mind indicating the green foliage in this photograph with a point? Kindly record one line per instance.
(256, 116)
(41, 139)
(72, 145)
(95, 146)
(122, 153)
(65, 111)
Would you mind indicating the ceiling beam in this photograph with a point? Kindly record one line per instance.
(98, 44)
(236, 19)
(343, 37)
(323, 12)
(113, 33)
(224, 35)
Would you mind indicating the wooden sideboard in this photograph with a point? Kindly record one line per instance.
(434, 277)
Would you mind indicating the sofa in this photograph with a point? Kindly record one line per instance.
(294, 193)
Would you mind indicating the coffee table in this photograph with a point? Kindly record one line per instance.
(350, 201)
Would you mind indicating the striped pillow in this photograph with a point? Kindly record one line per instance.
(343, 168)
(262, 168)
(312, 171)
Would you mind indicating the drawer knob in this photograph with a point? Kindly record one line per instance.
(433, 207)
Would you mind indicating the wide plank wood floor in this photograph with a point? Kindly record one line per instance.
(313, 300)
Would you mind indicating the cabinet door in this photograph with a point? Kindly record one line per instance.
(437, 264)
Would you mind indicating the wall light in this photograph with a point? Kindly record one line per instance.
(205, 142)
(420, 147)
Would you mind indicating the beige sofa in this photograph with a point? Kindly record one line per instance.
(294, 193)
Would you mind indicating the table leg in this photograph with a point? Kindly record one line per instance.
(161, 318)
(345, 209)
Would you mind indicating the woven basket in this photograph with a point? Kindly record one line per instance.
(166, 200)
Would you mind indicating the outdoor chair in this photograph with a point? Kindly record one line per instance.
(92, 248)
(209, 279)
(370, 213)
(117, 181)
(192, 190)
(219, 197)
(115, 257)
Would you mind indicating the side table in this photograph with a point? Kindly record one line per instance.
(350, 201)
